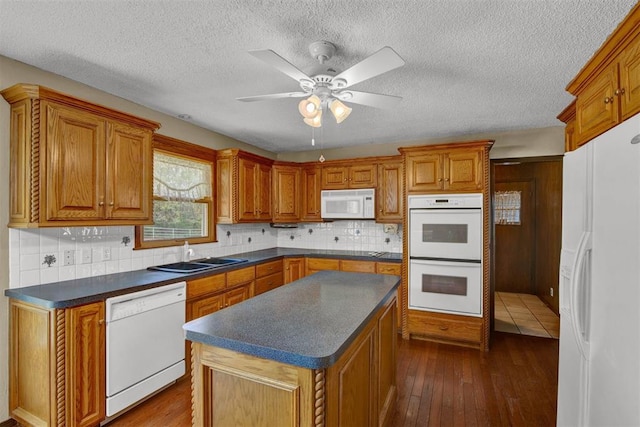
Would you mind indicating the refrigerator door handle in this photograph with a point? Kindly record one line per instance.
(576, 286)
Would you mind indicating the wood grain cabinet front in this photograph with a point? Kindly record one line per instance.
(243, 183)
(57, 369)
(438, 169)
(358, 175)
(76, 163)
(389, 198)
(607, 88)
(294, 269)
(286, 193)
(310, 198)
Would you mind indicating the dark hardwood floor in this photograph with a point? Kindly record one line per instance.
(514, 384)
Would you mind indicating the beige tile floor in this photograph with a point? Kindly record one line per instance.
(525, 314)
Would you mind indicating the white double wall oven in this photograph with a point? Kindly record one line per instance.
(445, 253)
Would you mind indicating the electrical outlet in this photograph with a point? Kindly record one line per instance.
(391, 228)
(69, 257)
(106, 254)
(551, 291)
(86, 256)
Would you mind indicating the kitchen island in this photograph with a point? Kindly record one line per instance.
(319, 351)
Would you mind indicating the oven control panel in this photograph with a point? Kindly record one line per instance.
(454, 201)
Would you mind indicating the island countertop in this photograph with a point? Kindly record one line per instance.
(307, 323)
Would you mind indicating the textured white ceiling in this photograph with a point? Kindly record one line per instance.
(471, 66)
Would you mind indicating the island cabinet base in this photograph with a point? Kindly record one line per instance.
(232, 388)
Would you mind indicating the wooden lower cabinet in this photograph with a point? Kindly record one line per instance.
(318, 264)
(294, 269)
(357, 266)
(57, 365)
(231, 388)
(462, 330)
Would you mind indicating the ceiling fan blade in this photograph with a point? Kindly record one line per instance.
(386, 59)
(281, 64)
(367, 98)
(273, 96)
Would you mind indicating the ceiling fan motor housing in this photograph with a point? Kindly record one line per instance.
(322, 50)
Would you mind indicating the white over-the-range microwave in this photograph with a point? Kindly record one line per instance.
(348, 204)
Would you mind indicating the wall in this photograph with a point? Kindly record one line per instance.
(526, 143)
(106, 250)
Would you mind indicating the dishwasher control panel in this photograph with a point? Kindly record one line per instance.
(134, 303)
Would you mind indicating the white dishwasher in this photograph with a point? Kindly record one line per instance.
(145, 343)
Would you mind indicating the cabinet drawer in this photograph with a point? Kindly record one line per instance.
(449, 328)
(205, 285)
(318, 264)
(388, 268)
(240, 276)
(357, 266)
(267, 283)
(268, 268)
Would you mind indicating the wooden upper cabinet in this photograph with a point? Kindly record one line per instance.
(607, 88)
(454, 168)
(286, 193)
(359, 175)
(389, 192)
(243, 187)
(310, 198)
(596, 108)
(76, 163)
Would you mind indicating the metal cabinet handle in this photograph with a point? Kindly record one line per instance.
(619, 92)
(443, 328)
(608, 100)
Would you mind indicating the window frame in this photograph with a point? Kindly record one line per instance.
(189, 151)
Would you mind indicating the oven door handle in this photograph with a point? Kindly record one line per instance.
(445, 261)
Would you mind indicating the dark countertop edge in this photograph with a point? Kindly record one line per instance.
(40, 295)
(311, 362)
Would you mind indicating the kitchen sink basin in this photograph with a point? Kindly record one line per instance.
(197, 265)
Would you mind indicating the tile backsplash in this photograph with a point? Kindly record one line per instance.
(45, 255)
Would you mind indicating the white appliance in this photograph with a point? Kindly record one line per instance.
(348, 204)
(145, 343)
(445, 253)
(599, 363)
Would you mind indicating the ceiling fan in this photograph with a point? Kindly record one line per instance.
(326, 88)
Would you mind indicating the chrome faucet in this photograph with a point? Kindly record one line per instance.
(186, 252)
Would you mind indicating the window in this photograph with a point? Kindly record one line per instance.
(507, 207)
(182, 195)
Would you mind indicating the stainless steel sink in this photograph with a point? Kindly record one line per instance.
(197, 265)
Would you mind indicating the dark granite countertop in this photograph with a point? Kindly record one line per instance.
(307, 323)
(71, 293)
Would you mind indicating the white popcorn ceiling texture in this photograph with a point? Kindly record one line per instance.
(472, 66)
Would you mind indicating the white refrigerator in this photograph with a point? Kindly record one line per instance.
(599, 363)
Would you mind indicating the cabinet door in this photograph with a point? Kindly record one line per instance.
(424, 172)
(267, 283)
(247, 184)
(629, 90)
(74, 160)
(286, 193)
(86, 365)
(311, 186)
(463, 171)
(597, 107)
(237, 295)
(205, 306)
(129, 172)
(335, 177)
(294, 269)
(386, 348)
(363, 176)
(263, 192)
(224, 190)
(389, 194)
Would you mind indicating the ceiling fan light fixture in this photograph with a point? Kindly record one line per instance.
(315, 121)
(339, 110)
(309, 107)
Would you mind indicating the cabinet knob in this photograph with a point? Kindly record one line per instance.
(110, 203)
(439, 179)
(446, 180)
(608, 100)
(619, 92)
(100, 203)
(443, 328)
